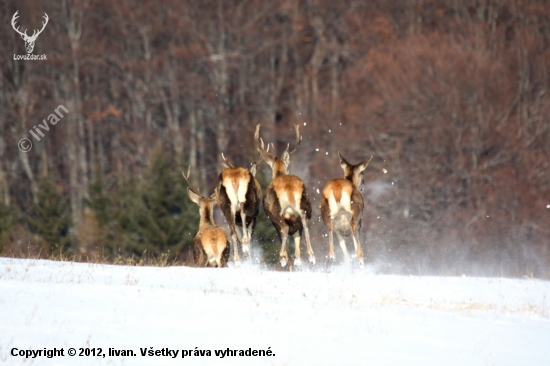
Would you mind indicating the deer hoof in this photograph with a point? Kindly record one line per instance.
(297, 262)
(312, 259)
(283, 262)
(361, 262)
(331, 257)
(246, 248)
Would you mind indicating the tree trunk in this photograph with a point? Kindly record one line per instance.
(77, 147)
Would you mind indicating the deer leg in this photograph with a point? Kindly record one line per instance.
(283, 255)
(239, 233)
(246, 238)
(308, 241)
(297, 257)
(240, 238)
(331, 255)
(250, 228)
(342, 242)
(235, 247)
(225, 254)
(357, 244)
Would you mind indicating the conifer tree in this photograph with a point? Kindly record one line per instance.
(156, 214)
(8, 219)
(51, 217)
(265, 235)
(100, 202)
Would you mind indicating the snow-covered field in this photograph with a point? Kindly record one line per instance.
(303, 318)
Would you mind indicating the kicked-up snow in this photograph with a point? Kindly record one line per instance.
(118, 315)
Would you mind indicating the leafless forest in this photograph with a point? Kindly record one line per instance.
(450, 97)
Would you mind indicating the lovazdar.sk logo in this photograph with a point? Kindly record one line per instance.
(29, 40)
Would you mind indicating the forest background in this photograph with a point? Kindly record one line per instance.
(451, 98)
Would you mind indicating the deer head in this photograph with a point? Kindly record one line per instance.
(282, 165)
(29, 40)
(354, 173)
(206, 204)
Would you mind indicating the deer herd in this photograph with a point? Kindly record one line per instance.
(286, 204)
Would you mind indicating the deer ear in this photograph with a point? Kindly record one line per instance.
(193, 196)
(286, 159)
(343, 163)
(253, 169)
(363, 165)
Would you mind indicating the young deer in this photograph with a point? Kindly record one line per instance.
(210, 245)
(239, 194)
(342, 207)
(286, 202)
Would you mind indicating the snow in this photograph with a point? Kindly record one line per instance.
(344, 317)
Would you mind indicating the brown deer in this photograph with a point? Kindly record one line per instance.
(210, 245)
(342, 207)
(239, 194)
(286, 201)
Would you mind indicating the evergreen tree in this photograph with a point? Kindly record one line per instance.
(51, 217)
(265, 233)
(267, 239)
(100, 202)
(156, 215)
(8, 220)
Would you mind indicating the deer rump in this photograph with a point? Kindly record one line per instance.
(207, 246)
(284, 198)
(239, 191)
(341, 203)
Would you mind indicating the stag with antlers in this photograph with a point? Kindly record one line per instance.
(342, 207)
(29, 40)
(239, 195)
(210, 245)
(286, 201)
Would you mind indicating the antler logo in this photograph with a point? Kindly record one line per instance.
(29, 41)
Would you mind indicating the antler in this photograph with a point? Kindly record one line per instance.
(24, 34)
(298, 140)
(13, 19)
(257, 162)
(261, 147)
(34, 35)
(186, 177)
(227, 161)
